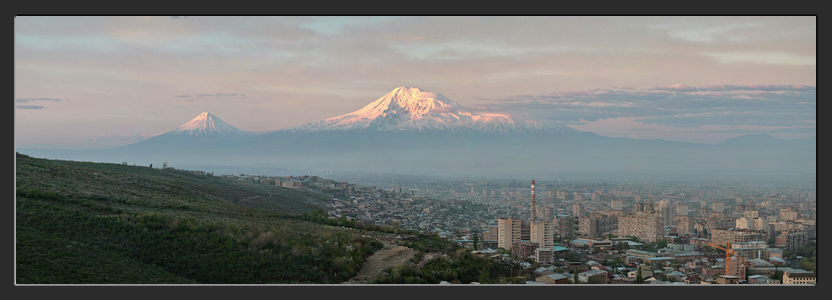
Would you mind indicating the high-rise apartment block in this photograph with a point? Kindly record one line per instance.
(751, 250)
(595, 224)
(667, 211)
(577, 210)
(545, 213)
(736, 266)
(617, 204)
(788, 214)
(646, 226)
(491, 234)
(791, 241)
(543, 233)
(508, 232)
(722, 237)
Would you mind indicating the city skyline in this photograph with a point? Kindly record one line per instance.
(101, 82)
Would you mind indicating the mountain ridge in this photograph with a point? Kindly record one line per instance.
(425, 133)
(409, 108)
(207, 124)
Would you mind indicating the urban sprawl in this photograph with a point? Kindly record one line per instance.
(598, 233)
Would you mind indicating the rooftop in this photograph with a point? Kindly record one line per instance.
(557, 276)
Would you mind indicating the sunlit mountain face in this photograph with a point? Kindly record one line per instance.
(409, 108)
(207, 124)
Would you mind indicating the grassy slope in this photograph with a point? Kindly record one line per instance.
(99, 223)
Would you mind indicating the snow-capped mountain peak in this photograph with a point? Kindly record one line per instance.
(207, 124)
(410, 108)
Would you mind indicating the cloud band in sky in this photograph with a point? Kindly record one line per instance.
(676, 105)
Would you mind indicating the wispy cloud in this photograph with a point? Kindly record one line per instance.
(109, 137)
(24, 100)
(675, 105)
(29, 106)
(216, 95)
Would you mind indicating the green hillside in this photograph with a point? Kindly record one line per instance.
(98, 223)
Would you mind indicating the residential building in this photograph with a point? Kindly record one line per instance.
(523, 250)
(543, 233)
(727, 279)
(736, 266)
(577, 210)
(593, 277)
(491, 234)
(799, 278)
(667, 211)
(685, 224)
(788, 214)
(742, 223)
(562, 226)
(544, 255)
(791, 241)
(595, 224)
(646, 226)
(545, 213)
(525, 232)
(553, 279)
(617, 204)
(722, 237)
(751, 250)
(508, 232)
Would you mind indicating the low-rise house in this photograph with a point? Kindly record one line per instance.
(778, 261)
(593, 277)
(727, 279)
(692, 279)
(798, 277)
(622, 280)
(710, 271)
(644, 274)
(758, 279)
(553, 279)
(543, 271)
(675, 275)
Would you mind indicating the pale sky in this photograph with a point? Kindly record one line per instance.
(100, 82)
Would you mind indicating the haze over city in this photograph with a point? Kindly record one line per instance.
(106, 81)
(287, 150)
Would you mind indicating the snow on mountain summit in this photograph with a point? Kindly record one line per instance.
(410, 108)
(207, 124)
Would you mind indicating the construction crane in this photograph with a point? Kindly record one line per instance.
(728, 253)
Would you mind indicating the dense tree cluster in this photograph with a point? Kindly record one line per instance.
(459, 267)
(109, 223)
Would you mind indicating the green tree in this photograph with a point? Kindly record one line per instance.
(476, 240)
(575, 279)
(485, 276)
(639, 279)
(778, 275)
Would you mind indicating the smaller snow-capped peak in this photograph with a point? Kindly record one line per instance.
(207, 124)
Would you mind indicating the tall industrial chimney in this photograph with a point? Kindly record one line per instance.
(533, 214)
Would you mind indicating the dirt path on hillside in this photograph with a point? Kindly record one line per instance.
(389, 256)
